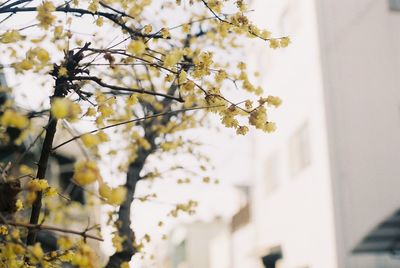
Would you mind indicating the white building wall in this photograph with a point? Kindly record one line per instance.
(360, 44)
(297, 215)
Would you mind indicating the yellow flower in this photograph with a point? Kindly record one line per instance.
(147, 29)
(273, 43)
(3, 230)
(60, 108)
(105, 110)
(37, 185)
(90, 140)
(274, 101)
(64, 243)
(131, 100)
(25, 65)
(103, 137)
(118, 196)
(45, 16)
(100, 21)
(284, 42)
(42, 55)
(136, 47)
(173, 58)
(105, 191)
(125, 265)
(11, 118)
(58, 30)
(93, 6)
(37, 251)
(50, 192)
(265, 34)
(242, 130)
(165, 33)
(65, 108)
(86, 172)
(19, 205)
(62, 72)
(270, 127)
(11, 37)
(117, 241)
(91, 111)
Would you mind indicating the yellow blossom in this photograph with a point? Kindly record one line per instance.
(165, 33)
(62, 72)
(58, 30)
(173, 58)
(100, 21)
(242, 130)
(19, 205)
(50, 192)
(10, 37)
(65, 108)
(147, 29)
(273, 43)
(90, 111)
(37, 185)
(105, 191)
(3, 230)
(90, 140)
(45, 16)
(86, 172)
(25, 65)
(93, 6)
(65, 243)
(11, 118)
(118, 196)
(37, 251)
(136, 47)
(117, 241)
(274, 101)
(270, 127)
(284, 42)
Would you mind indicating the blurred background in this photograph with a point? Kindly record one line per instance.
(322, 191)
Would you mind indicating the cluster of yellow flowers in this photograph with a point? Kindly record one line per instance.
(117, 241)
(12, 118)
(104, 107)
(188, 207)
(113, 196)
(173, 57)
(34, 186)
(11, 37)
(62, 108)
(136, 47)
(45, 15)
(86, 172)
(202, 64)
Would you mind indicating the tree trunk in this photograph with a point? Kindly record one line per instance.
(124, 214)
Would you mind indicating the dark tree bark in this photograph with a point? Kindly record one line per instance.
(124, 213)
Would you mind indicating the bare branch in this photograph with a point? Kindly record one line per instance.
(118, 88)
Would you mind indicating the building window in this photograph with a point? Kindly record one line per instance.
(394, 5)
(299, 149)
(271, 173)
(179, 257)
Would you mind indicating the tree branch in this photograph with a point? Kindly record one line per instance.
(132, 121)
(84, 233)
(118, 88)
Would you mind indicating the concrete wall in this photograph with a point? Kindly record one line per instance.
(360, 44)
(297, 215)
